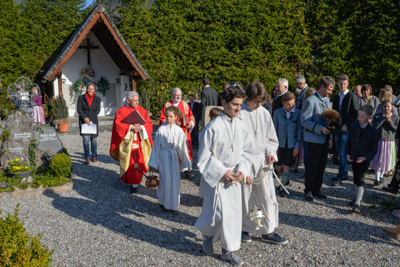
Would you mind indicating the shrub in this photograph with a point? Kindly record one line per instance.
(18, 248)
(60, 109)
(60, 165)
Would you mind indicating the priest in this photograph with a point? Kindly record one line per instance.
(223, 163)
(263, 146)
(187, 122)
(131, 144)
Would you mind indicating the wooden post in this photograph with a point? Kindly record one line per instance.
(59, 75)
(133, 84)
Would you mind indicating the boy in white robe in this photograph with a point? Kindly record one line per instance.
(222, 154)
(169, 151)
(263, 146)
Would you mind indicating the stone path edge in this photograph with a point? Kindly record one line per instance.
(29, 191)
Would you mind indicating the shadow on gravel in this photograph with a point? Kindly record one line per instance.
(79, 158)
(340, 228)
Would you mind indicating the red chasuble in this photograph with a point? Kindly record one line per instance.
(188, 115)
(141, 149)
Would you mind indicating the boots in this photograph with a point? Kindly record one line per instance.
(393, 233)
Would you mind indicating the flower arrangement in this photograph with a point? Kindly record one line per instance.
(17, 166)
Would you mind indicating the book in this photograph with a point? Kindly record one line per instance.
(134, 118)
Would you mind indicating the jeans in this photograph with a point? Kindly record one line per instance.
(93, 140)
(341, 140)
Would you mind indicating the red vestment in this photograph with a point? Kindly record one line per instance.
(140, 150)
(187, 113)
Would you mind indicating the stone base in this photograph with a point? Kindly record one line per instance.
(29, 191)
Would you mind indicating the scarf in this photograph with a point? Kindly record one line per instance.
(89, 99)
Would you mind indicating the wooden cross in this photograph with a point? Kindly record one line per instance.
(88, 46)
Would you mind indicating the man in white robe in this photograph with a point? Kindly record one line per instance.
(263, 146)
(222, 154)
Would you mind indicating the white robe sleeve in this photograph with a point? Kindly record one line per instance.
(182, 151)
(155, 151)
(210, 167)
(272, 138)
(143, 133)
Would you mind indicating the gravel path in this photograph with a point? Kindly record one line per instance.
(100, 224)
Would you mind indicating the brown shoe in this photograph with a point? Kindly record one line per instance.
(94, 159)
(87, 162)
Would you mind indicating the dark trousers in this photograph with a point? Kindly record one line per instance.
(195, 135)
(359, 170)
(395, 183)
(317, 156)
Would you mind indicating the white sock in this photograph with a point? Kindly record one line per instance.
(378, 175)
(359, 194)
(134, 185)
(285, 178)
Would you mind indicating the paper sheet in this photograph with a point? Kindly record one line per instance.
(89, 129)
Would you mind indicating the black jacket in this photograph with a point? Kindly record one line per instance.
(349, 112)
(196, 110)
(277, 103)
(209, 97)
(85, 112)
(364, 144)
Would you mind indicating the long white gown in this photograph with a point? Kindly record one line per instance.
(169, 147)
(264, 143)
(222, 203)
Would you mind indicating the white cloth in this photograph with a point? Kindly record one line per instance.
(264, 144)
(169, 147)
(222, 203)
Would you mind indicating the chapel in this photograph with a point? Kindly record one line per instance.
(96, 52)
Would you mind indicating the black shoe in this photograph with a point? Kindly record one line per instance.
(319, 195)
(345, 178)
(308, 196)
(336, 182)
(133, 190)
(282, 193)
(376, 183)
(295, 170)
(390, 190)
(356, 209)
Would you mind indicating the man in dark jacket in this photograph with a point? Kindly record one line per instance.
(281, 88)
(346, 103)
(196, 110)
(88, 108)
(208, 97)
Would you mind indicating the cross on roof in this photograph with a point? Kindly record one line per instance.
(88, 46)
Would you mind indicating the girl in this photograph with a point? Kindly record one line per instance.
(37, 112)
(168, 153)
(386, 124)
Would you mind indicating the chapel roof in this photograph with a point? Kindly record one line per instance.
(100, 23)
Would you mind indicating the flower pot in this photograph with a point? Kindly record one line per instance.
(63, 127)
(21, 174)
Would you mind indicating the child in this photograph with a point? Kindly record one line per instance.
(214, 112)
(289, 131)
(169, 151)
(361, 147)
(37, 112)
(386, 123)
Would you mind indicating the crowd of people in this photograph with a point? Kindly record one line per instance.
(250, 140)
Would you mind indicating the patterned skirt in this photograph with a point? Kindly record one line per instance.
(38, 115)
(385, 158)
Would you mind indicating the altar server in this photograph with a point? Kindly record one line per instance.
(222, 154)
(168, 153)
(263, 146)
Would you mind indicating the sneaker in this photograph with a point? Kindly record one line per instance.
(336, 182)
(232, 258)
(246, 238)
(376, 183)
(208, 245)
(94, 159)
(308, 196)
(356, 209)
(87, 161)
(275, 239)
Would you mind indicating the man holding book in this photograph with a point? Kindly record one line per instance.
(131, 140)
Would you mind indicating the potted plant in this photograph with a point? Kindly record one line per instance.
(18, 168)
(60, 113)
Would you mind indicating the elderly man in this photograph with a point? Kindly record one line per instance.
(301, 86)
(131, 144)
(281, 88)
(187, 122)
